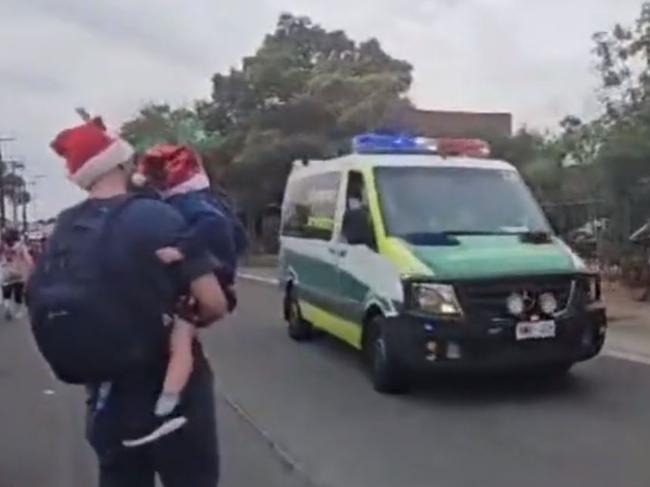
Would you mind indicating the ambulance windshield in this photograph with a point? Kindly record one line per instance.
(457, 201)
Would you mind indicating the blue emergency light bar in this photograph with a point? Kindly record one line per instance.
(373, 143)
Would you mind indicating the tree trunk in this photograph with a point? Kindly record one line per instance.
(3, 205)
(25, 222)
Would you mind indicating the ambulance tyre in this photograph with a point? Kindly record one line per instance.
(386, 374)
(298, 328)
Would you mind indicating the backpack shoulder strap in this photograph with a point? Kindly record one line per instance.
(136, 303)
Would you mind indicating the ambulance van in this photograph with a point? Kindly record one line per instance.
(427, 255)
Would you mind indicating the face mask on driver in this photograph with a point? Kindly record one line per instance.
(354, 204)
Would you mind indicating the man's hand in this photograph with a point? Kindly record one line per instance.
(211, 302)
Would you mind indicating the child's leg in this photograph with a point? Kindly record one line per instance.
(19, 298)
(6, 301)
(179, 367)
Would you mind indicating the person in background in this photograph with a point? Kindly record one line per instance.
(36, 247)
(15, 265)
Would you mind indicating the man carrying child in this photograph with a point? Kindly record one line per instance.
(109, 310)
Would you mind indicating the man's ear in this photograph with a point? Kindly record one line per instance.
(129, 166)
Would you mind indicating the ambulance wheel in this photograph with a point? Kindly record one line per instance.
(298, 328)
(386, 374)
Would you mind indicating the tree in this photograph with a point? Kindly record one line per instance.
(160, 123)
(304, 93)
(521, 149)
(15, 192)
(623, 131)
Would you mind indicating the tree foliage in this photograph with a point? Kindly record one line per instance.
(623, 61)
(303, 93)
(155, 124)
(306, 90)
(611, 152)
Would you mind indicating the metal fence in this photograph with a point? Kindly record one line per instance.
(599, 231)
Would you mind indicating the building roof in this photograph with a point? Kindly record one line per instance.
(440, 123)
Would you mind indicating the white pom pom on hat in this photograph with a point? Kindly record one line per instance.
(139, 180)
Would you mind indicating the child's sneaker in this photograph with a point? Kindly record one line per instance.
(166, 411)
(167, 427)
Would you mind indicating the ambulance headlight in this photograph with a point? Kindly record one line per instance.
(435, 299)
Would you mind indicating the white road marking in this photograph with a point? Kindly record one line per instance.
(624, 355)
(264, 280)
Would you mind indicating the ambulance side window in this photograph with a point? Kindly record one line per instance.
(310, 207)
(357, 222)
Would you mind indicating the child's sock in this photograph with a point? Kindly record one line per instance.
(166, 404)
(103, 391)
(8, 309)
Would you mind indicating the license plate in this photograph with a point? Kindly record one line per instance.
(535, 330)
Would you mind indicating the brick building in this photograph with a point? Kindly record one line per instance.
(437, 123)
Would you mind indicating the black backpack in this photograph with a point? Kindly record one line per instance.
(86, 326)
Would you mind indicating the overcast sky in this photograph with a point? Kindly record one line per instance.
(529, 57)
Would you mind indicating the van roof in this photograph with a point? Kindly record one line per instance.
(362, 161)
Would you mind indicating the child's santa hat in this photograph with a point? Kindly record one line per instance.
(90, 152)
(177, 168)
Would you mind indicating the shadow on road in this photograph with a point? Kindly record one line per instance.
(470, 389)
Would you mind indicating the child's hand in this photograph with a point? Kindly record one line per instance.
(169, 255)
(231, 297)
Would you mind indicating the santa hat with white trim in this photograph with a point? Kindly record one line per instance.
(179, 169)
(91, 152)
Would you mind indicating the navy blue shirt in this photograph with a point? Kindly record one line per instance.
(142, 228)
(213, 226)
(136, 233)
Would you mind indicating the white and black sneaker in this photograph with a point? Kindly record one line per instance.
(167, 427)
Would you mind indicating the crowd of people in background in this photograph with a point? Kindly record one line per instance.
(18, 252)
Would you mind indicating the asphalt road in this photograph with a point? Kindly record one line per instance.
(41, 429)
(295, 415)
(315, 402)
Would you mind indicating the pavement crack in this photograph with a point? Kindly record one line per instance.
(284, 456)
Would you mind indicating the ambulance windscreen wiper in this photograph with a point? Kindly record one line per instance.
(447, 237)
(442, 239)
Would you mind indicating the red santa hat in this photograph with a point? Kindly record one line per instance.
(180, 166)
(90, 152)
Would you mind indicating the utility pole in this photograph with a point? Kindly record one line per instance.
(24, 197)
(3, 171)
(15, 166)
(33, 185)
